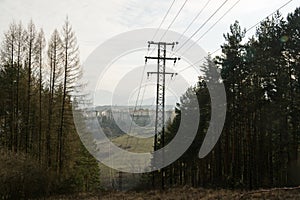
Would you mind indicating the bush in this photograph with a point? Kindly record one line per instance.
(22, 177)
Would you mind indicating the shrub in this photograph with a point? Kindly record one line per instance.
(22, 177)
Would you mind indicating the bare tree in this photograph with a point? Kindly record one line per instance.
(29, 42)
(40, 45)
(8, 52)
(20, 37)
(72, 73)
(54, 56)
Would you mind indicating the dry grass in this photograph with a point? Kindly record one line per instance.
(187, 193)
(129, 143)
(134, 144)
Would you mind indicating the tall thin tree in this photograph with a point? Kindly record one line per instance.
(71, 73)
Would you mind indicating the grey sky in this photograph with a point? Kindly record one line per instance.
(95, 21)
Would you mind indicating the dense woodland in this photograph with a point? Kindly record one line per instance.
(41, 152)
(259, 145)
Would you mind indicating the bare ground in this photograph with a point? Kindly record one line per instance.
(187, 193)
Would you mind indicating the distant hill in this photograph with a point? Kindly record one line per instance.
(104, 97)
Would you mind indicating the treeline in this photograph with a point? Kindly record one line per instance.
(259, 145)
(37, 78)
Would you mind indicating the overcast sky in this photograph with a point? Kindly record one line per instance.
(95, 21)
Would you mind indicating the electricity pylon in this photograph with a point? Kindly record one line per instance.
(160, 93)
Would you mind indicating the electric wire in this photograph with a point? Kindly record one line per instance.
(172, 22)
(288, 2)
(141, 82)
(247, 30)
(211, 16)
(211, 27)
(164, 18)
(143, 95)
(136, 102)
(194, 35)
(192, 22)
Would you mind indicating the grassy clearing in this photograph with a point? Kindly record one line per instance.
(110, 177)
(133, 144)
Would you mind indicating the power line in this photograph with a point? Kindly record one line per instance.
(172, 22)
(140, 87)
(143, 95)
(202, 59)
(143, 72)
(210, 28)
(179, 11)
(247, 30)
(196, 17)
(269, 15)
(202, 25)
(136, 101)
(163, 19)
